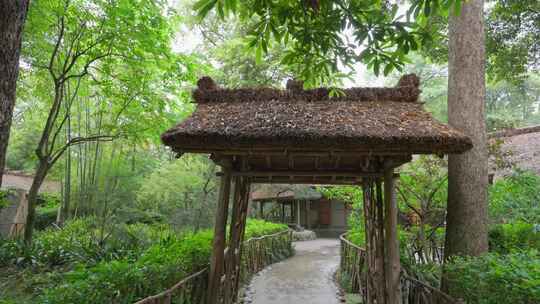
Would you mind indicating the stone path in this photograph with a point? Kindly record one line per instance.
(307, 277)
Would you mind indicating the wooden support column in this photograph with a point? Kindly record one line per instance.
(298, 222)
(261, 209)
(380, 252)
(375, 278)
(236, 238)
(220, 227)
(243, 217)
(393, 266)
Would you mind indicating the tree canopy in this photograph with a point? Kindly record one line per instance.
(321, 36)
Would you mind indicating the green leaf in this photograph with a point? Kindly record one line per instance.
(258, 54)
(457, 7)
(427, 8)
(203, 7)
(376, 67)
(388, 68)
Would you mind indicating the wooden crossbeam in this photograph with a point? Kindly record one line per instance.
(297, 153)
(289, 173)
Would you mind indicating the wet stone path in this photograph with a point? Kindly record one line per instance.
(307, 277)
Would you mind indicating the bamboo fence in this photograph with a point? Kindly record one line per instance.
(353, 270)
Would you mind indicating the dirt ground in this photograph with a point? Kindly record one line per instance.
(307, 277)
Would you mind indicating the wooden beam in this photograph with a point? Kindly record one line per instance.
(304, 181)
(393, 267)
(300, 152)
(292, 173)
(218, 245)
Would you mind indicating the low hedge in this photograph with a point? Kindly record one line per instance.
(127, 279)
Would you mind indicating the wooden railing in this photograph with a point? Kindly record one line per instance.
(258, 252)
(190, 290)
(353, 267)
(413, 291)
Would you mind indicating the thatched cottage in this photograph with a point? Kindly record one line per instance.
(301, 206)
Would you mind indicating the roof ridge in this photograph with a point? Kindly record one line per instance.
(514, 132)
(407, 90)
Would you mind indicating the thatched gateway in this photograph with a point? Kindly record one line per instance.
(298, 136)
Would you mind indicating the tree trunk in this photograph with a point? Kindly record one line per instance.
(12, 18)
(64, 207)
(220, 229)
(392, 263)
(466, 232)
(41, 173)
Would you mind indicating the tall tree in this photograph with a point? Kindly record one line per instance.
(466, 232)
(512, 30)
(111, 56)
(12, 17)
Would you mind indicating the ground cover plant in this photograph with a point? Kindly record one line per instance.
(85, 262)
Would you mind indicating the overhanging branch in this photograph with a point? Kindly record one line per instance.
(78, 140)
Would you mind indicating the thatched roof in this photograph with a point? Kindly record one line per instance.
(374, 120)
(521, 147)
(282, 192)
(514, 132)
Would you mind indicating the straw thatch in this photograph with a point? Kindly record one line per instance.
(520, 149)
(285, 192)
(358, 119)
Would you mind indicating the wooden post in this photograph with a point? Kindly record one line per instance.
(243, 219)
(236, 236)
(393, 267)
(375, 278)
(220, 227)
(261, 209)
(298, 222)
(380, 222)
(308, 210)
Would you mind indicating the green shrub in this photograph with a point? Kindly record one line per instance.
(161, 265)
(45, 217)
(256, 227)
(46, 210)
(515, 198)
(495, 278)
(506, 238)
(4, 201)
(82, 241)
(357, 236)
